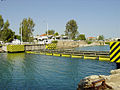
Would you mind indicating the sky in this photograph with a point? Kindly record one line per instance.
(93, 17)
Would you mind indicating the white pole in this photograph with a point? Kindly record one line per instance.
(21, 34)
(47, 29)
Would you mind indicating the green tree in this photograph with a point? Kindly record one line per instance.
(50, 32)
(27, 27)
(100, 37)
(17, 37)
(71, 29)
(6, 25)
(56, 34)
(7, 35)
(81, 37)
(1, 22)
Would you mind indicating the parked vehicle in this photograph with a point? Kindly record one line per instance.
(1, 42)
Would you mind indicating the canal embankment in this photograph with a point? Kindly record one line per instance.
(61, 44)
(66, 44)
(19, 48)
(98, 82)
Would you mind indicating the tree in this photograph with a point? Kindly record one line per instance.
(1, 22)
(81, 37)
(56, 34)
(27, 27)
(17, 37)
(6, 25)
(7, 35)
(50, 32)
(71, 29)
(100, 37)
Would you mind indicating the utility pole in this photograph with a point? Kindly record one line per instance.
(21, 33)
(47, 29)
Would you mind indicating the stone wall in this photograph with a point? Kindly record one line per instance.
(34, 47)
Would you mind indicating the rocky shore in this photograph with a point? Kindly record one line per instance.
(111, 82)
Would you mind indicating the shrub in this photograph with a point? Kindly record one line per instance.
(89, 42)
(54, 41)
(107, 43)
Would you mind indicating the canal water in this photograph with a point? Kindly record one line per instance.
(94, 48)
(21, 71)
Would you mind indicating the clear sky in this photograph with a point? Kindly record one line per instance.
(94, 17)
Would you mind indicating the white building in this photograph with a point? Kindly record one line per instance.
(43, 39)
(16, 41)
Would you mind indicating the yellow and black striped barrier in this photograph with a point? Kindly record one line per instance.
(115, 52)
(51, 46)
(15, 48)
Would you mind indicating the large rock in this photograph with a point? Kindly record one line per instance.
(112, 80)
(117, 71)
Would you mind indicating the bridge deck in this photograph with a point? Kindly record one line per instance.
(101, 55)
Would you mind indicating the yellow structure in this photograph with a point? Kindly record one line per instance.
(101, 58)
(49, 54)
(65, 55)
(55, 54)
(115, 52)
(15, 48)
(90, 57)
(75, 56)
(41, 53)
(51, 46)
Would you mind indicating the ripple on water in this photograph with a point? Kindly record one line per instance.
(40, 72)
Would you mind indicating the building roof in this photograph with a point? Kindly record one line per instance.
(91, 37)
(43, 35)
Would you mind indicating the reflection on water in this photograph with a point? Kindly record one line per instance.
(15, 56)
(22, 71)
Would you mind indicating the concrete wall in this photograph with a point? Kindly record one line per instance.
(34, 47)
(70, 44)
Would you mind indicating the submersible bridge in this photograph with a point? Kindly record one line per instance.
(51, 49)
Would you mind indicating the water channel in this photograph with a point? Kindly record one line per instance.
(21, 71)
